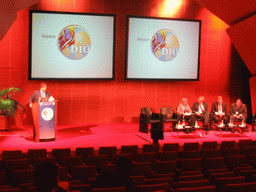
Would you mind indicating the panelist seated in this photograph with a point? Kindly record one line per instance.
(238, 112)
(200, 112)
(219, 112)
(183, 113)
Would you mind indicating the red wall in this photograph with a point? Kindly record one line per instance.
(120, 101)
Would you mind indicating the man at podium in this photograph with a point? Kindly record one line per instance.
(41, 95)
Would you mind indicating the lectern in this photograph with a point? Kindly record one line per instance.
(45, 120)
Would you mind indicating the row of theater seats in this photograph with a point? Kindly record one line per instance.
(207, 167)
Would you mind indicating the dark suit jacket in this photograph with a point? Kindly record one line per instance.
(241, 110)
(36, 95)
(215, 108)
(195, 107)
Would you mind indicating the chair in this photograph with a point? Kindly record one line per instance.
(12, 155)
(141, 168)
(151, 188)
(36, 153)
(190, 155)
(80, 187)
(157, 181)
(10, 190)
(116, 157)
(171, 146)
(20, 164)
(193, 146)
(132, 149)
(110, 151)
(145, 157)
(214, 176)
(84, 152)
(191, 178)
(190, 165)
(244, 143)
(83, 173)
(213, 163)
(248, 151)
(193, 184)
(109, 168)
(210, 188)
(22, 176)
(2, 176)
(248, 174)
(240, 187)
(59, 153)
(97, 160)
(138, 179)
(165, 166)
(190, 173)
(163, 175)
(227, 152)
(252, 161)
(150, 148)
(70, 162)
(168, 116)
(37, 161)
(227, 144)
(168, 156)
(222, 182)
(235, 161)
(116, 189)
(209, 145)
(209, 153)
(237, 170)
(148, 117)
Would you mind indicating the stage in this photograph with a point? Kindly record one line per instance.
(97, 135)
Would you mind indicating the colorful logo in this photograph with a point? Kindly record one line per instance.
(74, 42)
(47, 114)
(165, 45)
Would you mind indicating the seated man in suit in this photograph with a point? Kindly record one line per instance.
(200, 110)
(238, 111)
(219, 111)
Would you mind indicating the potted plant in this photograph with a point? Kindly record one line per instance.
(8, 106)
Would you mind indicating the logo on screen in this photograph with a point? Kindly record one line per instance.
(74, 42)
(165, 45)
(47, 114)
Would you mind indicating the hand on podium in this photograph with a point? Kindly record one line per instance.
(51, 99)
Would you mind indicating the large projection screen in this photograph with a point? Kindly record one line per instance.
(162, 49)
(66, 45)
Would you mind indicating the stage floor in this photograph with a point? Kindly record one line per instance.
(97, 135)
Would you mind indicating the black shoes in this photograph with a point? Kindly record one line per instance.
(233, 131)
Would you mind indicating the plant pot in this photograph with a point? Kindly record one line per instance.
(3, 123)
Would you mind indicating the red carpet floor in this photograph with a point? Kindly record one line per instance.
(97, 135)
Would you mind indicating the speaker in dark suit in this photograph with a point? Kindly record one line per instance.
(40, 96)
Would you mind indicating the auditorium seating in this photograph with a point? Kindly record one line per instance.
(191, 167)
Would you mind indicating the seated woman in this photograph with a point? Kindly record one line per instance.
(183, 112)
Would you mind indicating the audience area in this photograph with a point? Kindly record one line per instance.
(210, 166)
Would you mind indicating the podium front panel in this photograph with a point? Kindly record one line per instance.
(47, 121)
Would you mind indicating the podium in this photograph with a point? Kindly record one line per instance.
(45, 121)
